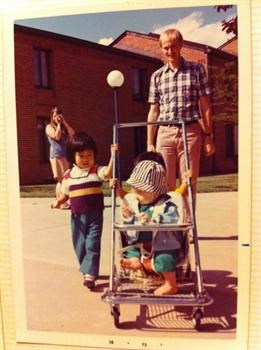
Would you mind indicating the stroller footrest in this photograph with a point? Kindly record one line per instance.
(125, 297)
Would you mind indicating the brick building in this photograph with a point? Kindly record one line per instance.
(53, 69)
(230, 46)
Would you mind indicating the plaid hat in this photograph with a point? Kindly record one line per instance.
(149, 176)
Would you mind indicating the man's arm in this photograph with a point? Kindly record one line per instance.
(151, 129)
(206, 113)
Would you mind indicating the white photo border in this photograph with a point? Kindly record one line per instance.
(14, 333)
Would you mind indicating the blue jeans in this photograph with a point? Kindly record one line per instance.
(86, 237)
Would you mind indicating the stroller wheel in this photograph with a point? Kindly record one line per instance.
(197, 319)
(115, 311)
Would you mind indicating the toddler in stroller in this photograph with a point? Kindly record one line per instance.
(148, 203)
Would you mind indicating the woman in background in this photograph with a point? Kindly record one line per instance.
(58, 132)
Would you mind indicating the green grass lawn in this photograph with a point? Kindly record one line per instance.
(215, 183)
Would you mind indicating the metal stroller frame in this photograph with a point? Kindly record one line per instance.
(197, 299)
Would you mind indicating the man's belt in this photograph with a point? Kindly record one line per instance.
(179, 125)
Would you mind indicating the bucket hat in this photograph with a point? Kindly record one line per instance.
(149, 176)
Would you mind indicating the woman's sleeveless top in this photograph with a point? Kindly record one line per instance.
(58, 148)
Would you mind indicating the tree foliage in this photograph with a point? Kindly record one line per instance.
(225, 92)
(229, 26)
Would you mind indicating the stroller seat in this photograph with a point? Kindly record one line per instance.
(183, 260)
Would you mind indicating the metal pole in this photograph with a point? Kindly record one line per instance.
(115, 174)
(116, 140)
(115, 104)
(113, 211)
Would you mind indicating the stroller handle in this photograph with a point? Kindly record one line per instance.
(153, 227)
(138, 124)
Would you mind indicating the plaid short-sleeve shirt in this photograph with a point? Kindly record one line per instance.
(177, 92)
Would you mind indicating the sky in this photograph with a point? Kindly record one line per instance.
(198, 24)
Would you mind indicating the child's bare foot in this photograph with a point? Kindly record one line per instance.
(131, 263)
(165, 289)
(170, 285)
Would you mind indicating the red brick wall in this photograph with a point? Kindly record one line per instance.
(148, 45)
(80, 89)
(231, 46)
(139, 43)
(194, 55)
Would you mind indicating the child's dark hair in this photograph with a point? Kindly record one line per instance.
(79, 142)
(149, 155)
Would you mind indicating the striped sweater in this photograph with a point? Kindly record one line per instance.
(84, 188)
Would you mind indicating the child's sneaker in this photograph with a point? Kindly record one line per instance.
(89, 281)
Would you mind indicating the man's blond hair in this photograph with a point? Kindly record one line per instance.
(172, 34)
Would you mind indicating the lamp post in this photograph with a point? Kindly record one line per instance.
(115, 79)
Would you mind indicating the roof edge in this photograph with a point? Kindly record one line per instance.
(154, 36)
(228, 41)
(78, 41)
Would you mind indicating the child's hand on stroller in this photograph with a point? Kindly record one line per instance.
(126, 211)
(115, 148)
(144, 218)
(113, 183)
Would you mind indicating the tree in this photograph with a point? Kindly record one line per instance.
(225, 92)
(229, 26)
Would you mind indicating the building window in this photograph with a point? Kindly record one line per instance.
(140, 139)
(231, 134)
(139, 77)
(41, 60)
(42, 139)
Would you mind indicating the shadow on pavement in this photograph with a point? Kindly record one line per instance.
(223, 289)
(220, 316)
(101, 284)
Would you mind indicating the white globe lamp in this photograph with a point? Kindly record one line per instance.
(115, 79)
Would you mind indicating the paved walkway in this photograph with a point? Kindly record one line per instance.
(56, 301)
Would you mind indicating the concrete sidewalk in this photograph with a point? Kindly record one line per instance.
(56, 300)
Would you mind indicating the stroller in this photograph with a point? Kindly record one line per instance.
(136, 287)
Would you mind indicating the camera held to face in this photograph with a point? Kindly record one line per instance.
(59, 118)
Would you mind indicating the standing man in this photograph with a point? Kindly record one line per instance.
(179, 91)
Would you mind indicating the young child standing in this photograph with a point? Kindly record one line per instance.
(83, 185)
(149, 202)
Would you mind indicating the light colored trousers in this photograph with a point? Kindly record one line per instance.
(170, 145)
